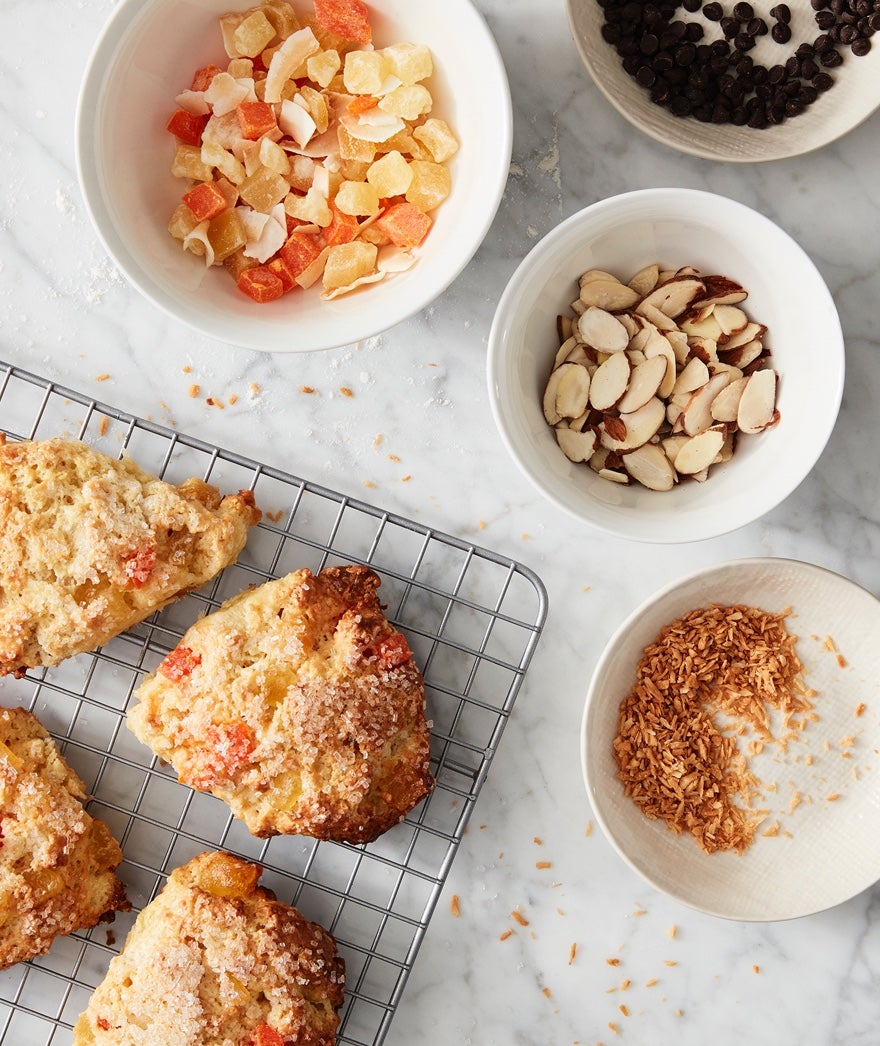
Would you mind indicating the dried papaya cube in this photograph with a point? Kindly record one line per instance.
(323, 66)
(223, 160)
(265, 1035)
(202, 78)
(410, 63)
(404, 224)
(430, 185)
(274, 158)
(349, 19)
(182, 222)
(238, 262)
(351, 148)
(439, 140)
(279, 267)
(229, 22)
(260, 284)
(263, 190)
(390, 175)
(282, 16)
(347, 262)
(343, 228)
(312, 208)
(361, 103)
(186, 126)
(299, 252)
(364, 72)
(256, 119)
(409, 103)
(317, 107)
(226, 234)
(252, 34)
(205, 201)
(188, 163)
(358, 198)
(241, 69)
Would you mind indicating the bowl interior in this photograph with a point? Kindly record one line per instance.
(825, 852)
(148, 53)
(856, 94)
(675, 227)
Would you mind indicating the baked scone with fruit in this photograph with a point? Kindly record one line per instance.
(57, 863)
(216, 960)
(297, 703)
(90, 545)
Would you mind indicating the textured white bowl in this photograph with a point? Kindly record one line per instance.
(854, 97)
(716, 235)
(833, 851)
(148, 53)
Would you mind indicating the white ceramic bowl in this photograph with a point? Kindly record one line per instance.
(675, 227)
(148, 53)
(854, 97)
(833, 849)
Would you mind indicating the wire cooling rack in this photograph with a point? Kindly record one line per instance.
(472, 618)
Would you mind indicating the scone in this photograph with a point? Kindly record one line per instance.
(298, 704)
(56, 862)
(89, 546)
(216, 960)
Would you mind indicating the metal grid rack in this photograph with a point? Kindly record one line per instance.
(473, 619)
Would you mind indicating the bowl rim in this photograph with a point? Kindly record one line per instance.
(113, 33)
(607, 654)
(499, 331)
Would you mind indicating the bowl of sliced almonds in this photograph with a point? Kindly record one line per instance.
(293, 176)
(666, 365)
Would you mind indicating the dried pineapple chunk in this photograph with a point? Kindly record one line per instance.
(317, 106)
(229, 22)
(351, 148)
(241, 68)
(227, 164)
(348, 262)
(188, 163)
(274, 158)
(263, 190)
(390, 175)
(430, 186)
(323, 66)
(293, 53)
(439, 140)
(408, 102)
(226, 234)
(410, 63)
(252, 34)
(365, 72)
(282, 16)
(357, 198)
(313, 207)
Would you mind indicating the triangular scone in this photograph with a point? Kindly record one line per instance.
(298, 704)
(215, 960)
(56, 862)
(90, 545)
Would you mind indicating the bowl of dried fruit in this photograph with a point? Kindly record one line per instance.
(734, 81)
(666, 365)
(729, 741)
(293, 176)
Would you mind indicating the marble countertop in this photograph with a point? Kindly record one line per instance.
(66, 313)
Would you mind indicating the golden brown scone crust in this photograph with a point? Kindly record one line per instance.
(298, 704)
(89, 546)
(56, 862)
(212, 959)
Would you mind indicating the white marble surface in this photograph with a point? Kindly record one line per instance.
(66, 313)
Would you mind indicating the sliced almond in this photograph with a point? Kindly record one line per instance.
(614, 476)
(702, 326)
(610, 381)
(705, 349)
(596, 274)
(726, 404)
(563, 327)
(645, 379)
(730, 319)
(645, 280)
(656, 316)
(573, 390)
(604, 332)
(679, 342)
(699, 452)
(549, 403)
(564, 349)
(607, 294)
(748, 333)
(743, 355)
(697, 415)
(676, 296)
(650, 467)
(578, 307)
(658, 345)
(758, 402)
(630, 322)
(598, 458)
(691, 377)
(722, 291)
(672, 445)
(576, 446)
(637, 427)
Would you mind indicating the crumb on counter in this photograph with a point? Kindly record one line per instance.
(194, 391)
(543, 864)
(572, 952)
(455, 906)
(518, 916)
(506, 934)
(307, 389)
(346, 391)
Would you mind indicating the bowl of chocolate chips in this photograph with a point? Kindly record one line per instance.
(734, 81)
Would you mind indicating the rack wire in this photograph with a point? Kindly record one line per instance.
(473, 619)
